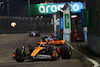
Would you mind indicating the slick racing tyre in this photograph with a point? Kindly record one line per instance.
(20, 54)
(65, 52)
(51, 49)
(30, 35)
(53, 52)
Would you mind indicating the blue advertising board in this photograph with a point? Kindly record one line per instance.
(61, 23)
(85, 36)
(76, 7)
(82, 18)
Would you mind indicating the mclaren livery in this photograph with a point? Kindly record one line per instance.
(53, 40)
(42, 50)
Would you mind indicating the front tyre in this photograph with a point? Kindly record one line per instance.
(53, 52)
(20, 55)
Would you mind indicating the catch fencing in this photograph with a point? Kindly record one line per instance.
(25, 24)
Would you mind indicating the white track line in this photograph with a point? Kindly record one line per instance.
(96, 64)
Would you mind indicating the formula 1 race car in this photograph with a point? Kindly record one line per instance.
(42, 52)
(34, 33)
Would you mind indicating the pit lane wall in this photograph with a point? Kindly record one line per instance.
(94, 43)
(94, 30)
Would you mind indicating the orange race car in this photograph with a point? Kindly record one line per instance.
(42, 51)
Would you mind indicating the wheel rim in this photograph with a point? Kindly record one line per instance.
(70, 52)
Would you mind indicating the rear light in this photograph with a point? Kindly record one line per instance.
(14, 55)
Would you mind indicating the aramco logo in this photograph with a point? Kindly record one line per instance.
(50, 8)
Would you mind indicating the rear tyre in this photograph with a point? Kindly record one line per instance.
(65, 52)
(30, 35)
(20, 55)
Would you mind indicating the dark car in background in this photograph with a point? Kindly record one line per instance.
(34, 33)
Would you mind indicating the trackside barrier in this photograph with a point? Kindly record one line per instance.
(24, 24)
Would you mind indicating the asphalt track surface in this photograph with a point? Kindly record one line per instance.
(9, 42)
